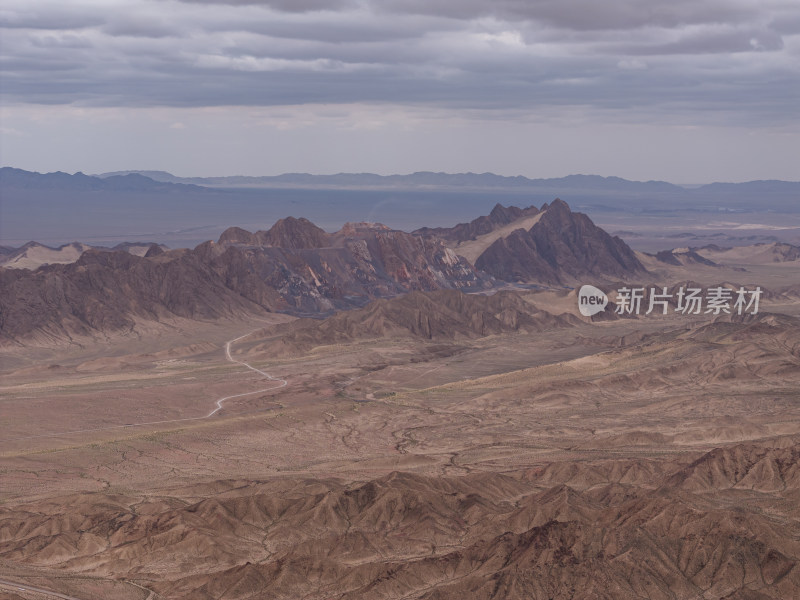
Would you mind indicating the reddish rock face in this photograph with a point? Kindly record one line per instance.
(295, 267)
(299, 268)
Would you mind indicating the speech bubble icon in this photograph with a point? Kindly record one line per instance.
(591, 300)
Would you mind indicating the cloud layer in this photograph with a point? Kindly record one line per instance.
(689, 61)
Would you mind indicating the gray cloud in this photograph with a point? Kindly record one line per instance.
(60, 40)
(587, 14)
(731, 59)
(293, 6)
(787, 24)
(26, 17)
(339, 31)
(139, 26)
(720, 41)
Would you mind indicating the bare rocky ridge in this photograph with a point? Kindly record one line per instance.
(109, 291)
(696, 530)
(443, 315)
(315, 272)
(294, 267)
(755, 254)
(298, 268)
(683, 257)
(288, 233)
(33, 254)
(499, 216)
(560, 248)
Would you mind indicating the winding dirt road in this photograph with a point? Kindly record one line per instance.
(281, 383)
(22, 587)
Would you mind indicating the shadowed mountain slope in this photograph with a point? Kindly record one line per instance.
(288, 233)
(294, 267)
(110, 291)
(560, 248)
(439, 315)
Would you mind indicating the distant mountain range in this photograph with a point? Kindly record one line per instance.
(428, 179)
(12, 178)
(155, 206)
(132, 181)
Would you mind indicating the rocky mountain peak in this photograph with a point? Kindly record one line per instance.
(237, 235)
(154, 250)
(502, 215)
(560, 248)
(294, 233)
(285, 233)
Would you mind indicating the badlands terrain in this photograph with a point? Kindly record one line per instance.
(447, 425)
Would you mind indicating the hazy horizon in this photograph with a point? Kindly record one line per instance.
(684, 184)
(649, 215)
(675, 91)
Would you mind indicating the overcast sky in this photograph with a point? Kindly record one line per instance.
(688, 91)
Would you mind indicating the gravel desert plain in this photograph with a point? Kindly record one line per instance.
(176, 426)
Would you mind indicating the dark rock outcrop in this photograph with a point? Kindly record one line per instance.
(110, 291)
(560, 248)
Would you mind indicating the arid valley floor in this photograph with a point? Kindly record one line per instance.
(650, 457)
(399, 300)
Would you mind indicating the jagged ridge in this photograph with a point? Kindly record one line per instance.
(439, 315)
(561, 247)
(403, 535)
